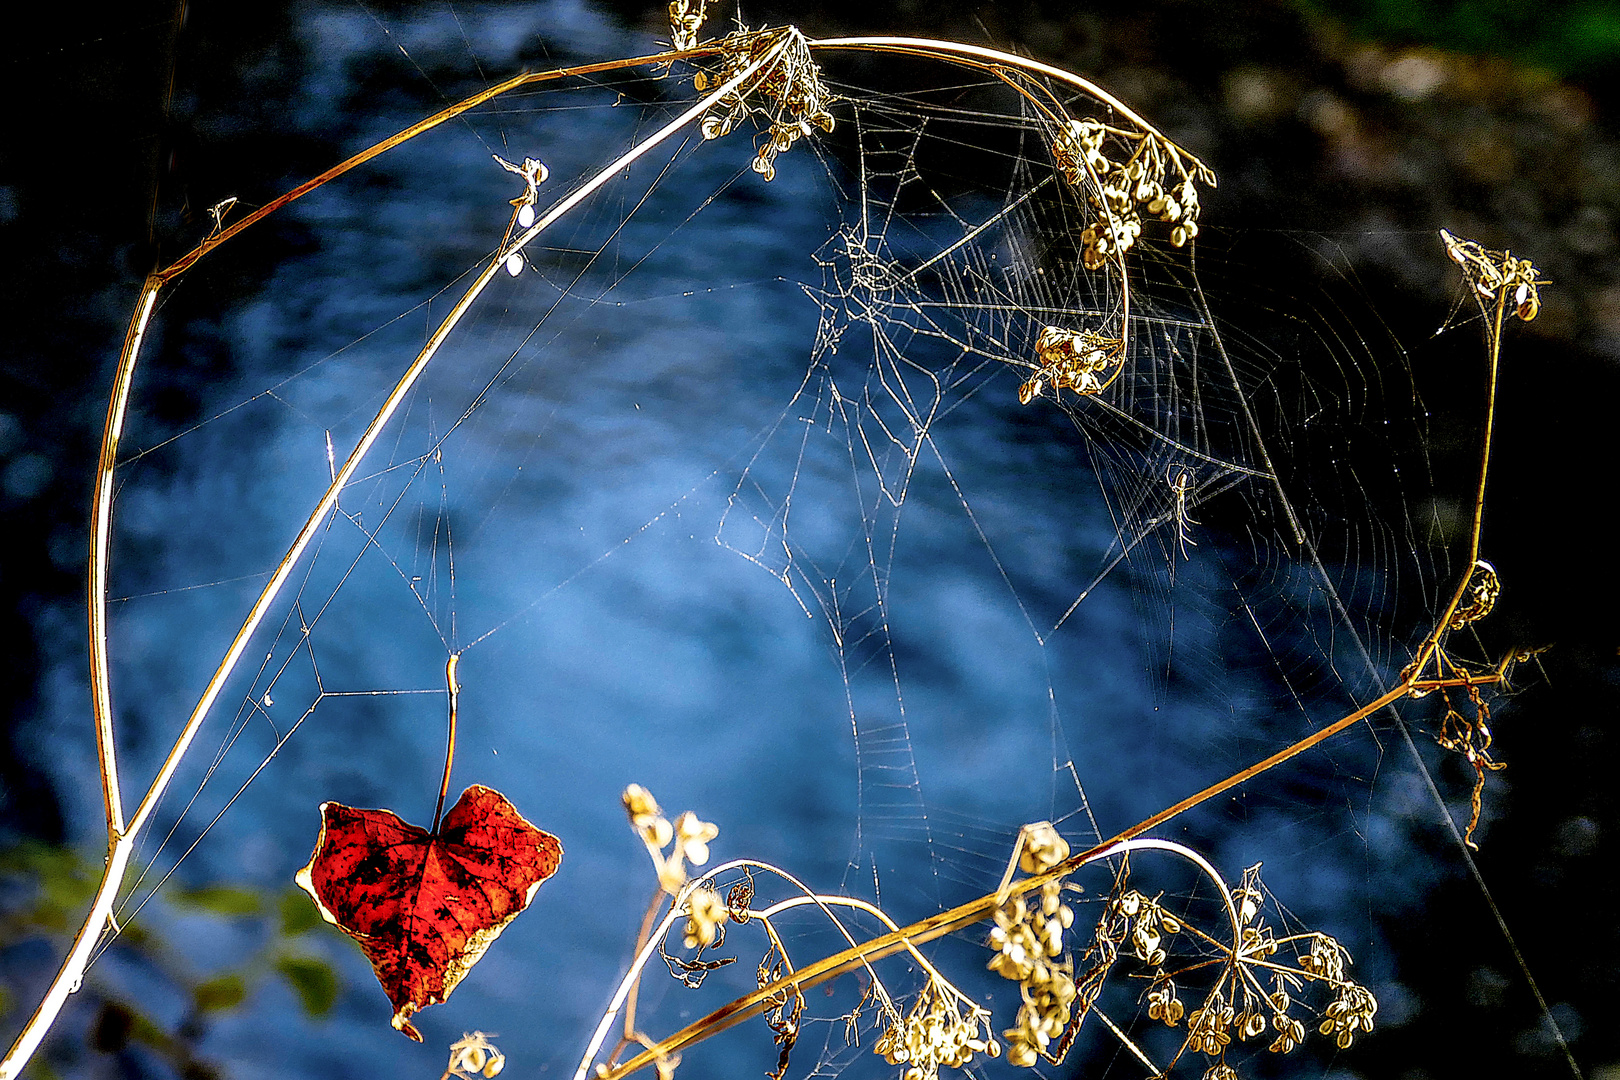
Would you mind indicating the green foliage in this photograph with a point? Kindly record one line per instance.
(46, 891)
(219, 993)
(1573, 40)
(314, 981)
(63, 886)
(227, 900)
(298, 915)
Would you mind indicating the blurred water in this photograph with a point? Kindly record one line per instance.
(615, 639)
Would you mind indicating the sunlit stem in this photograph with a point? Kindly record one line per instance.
(978, 56)
(632, 977)
(902, 939)
(120, 842)
(72, 970)
(186, 261)
(1431, 644)
(453, 688)
(630, 1035)
(78, 957)
(100, 544)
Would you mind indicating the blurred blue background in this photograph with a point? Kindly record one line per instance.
(624, 644)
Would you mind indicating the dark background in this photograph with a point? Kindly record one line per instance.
(113, 142)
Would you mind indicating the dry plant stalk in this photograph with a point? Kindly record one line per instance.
(1256, 987)
(1126, 169)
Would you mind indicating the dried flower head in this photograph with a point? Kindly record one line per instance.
(937, 1032)
(1028, 939)
(1044, 847)
(692, 838)
(1350, 1012)
(705, 915)
(787, 94)
(473, 1055)
(1125, 173)
(645, 816)
(685, 20)
(1496, 275)
(1080, 360)
(1479, 598)
(1164, 1004)
(534, 174)
(690, 835)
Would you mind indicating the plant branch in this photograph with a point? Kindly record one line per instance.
(454, 689)
(978, 910)
(100, 540)
(72, 971)
(1431, 647)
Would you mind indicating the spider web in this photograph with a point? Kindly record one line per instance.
(730, 493)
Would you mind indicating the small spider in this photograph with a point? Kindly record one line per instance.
(1181, 484)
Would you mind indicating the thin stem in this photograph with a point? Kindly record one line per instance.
(454, 689)
(630, 1036)
(1431, 645)
(186, 261)
(978, 56)
(976, 910)
(1154, 1072)
(100, 542)
(119, 839)
(67, 979)
(73, 966)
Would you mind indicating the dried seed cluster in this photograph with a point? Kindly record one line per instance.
(1238, 1005)
(1152, 180)
(689, 835)
(795, 99)
(1471, 737)
(1350, 1012)
(472, 1056)
(936, 1032)
(685, 20)
(1080, 360)
(1494, 274)
(705, 914)
(1029, 950)
(1479, 598)
(1043, 846)
(1149, 923)
(1210, 1028)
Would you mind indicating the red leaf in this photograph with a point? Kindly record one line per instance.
(425, 906)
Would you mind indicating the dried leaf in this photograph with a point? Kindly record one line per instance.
(425, 906)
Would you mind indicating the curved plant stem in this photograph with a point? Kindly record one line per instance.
(454, 689)
(120, 844)
(973, 911)
(1431, 647)
(100, 540)
(122, 841)
(122, 835)
(978, 56)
